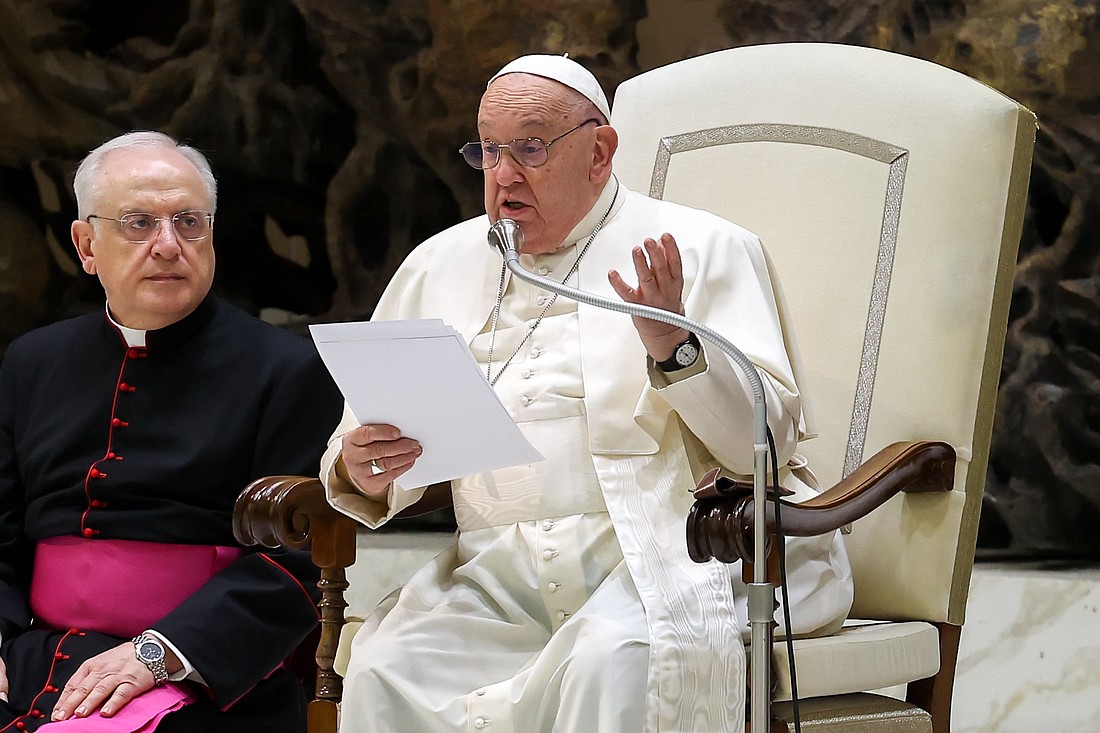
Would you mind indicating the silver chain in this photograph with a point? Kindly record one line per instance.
(549, 304)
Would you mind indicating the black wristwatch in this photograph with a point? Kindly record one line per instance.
(152, 654)
(685, 355)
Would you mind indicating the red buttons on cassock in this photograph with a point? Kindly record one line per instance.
(21, 725)
(96, 473)
(96, 503)
(126, 387)
(88, 532)
(118, 423)
(50, 688)
(134, 353)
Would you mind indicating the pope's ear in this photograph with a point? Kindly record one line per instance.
(607, 142)
(83, 233)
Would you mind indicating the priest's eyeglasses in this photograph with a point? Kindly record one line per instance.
(141, 228)
(530, 152)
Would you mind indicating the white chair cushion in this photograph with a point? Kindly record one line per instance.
(861, 656)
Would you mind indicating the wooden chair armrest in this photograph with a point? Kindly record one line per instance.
(291, 511)
(720, 523)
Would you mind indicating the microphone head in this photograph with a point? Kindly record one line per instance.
(506, 236)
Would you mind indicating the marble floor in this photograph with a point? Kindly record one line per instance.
(1029, 660)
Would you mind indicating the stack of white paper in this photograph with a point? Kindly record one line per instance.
(420, 377)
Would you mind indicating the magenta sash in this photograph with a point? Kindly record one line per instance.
(117, 587)
(141, 715)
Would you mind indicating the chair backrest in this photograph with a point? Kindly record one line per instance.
(889, 193)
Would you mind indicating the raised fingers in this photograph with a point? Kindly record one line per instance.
(647, 278)
(664, 264)
(671, 253)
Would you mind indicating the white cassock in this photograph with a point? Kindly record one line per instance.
(568, 602)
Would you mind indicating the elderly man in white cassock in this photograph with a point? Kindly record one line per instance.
(568, 602)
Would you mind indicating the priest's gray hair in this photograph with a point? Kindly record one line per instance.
(86, 181)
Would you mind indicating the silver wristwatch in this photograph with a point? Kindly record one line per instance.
(151, 653)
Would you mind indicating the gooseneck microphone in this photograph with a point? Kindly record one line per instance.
(506, 236)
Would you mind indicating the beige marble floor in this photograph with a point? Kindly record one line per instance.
(1029, 660)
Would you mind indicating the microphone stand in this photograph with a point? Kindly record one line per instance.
(506, 236)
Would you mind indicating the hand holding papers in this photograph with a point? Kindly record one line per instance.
(421, 377)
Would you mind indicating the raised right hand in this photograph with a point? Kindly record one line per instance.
(375, 455)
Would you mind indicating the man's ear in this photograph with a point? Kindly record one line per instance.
(607, 142)
(83, 233)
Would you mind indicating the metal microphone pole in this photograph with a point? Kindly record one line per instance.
(506, 236)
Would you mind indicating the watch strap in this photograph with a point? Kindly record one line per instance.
(156, 666)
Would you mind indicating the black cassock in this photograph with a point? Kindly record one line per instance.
(102, 441)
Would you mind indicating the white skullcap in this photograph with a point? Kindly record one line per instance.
(561, 69)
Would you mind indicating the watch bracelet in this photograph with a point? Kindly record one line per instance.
(158, 669)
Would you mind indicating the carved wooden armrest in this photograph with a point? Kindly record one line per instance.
(291, 511)
(720, 523)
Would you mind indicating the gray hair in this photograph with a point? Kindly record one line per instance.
(86, 182)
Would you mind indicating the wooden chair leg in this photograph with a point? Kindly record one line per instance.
(934, 693)
(322, 716)
(333, 583)
(333, 551)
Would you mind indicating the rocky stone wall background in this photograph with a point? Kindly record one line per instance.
(333, 124)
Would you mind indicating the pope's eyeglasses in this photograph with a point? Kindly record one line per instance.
(530, 152)
(141, 228)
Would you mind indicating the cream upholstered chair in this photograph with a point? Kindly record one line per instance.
(889, 193)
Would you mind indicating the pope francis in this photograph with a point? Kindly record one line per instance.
(568, 602)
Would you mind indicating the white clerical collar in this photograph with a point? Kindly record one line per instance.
(135, 337)
(584, 227)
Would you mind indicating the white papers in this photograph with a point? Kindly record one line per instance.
(421, 377)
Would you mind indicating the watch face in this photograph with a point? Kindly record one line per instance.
(686, 354)
(150, 651)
